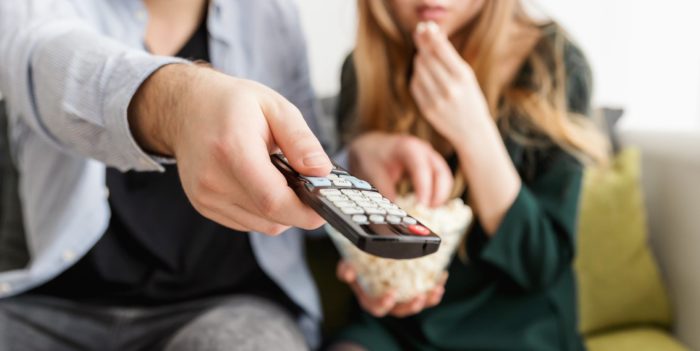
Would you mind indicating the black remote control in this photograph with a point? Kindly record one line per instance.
(358, 211)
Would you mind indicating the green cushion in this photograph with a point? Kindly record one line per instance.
(618, 281)
(634, 339)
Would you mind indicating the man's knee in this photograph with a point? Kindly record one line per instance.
(244, 323)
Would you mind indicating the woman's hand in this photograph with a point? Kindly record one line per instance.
(444, 86)
(385, 159)
(448, 93)
(387, 305)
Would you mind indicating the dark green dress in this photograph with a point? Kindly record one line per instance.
(517, 289)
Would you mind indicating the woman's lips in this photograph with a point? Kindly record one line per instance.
(431, 13)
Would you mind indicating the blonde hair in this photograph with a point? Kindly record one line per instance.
(383, 58)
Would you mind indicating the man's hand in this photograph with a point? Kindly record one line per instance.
(385, 159)
(221, 130)
(386, 304)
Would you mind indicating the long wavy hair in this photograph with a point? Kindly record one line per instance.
(383, 61)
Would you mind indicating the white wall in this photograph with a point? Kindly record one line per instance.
(330, 27)
(645, 54)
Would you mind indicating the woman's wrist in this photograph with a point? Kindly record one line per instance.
(481, 134)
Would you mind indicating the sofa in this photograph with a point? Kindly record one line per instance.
(670, 175)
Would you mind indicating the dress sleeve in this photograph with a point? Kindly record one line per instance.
(534, 243)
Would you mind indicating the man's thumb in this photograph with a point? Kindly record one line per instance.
(297, 142)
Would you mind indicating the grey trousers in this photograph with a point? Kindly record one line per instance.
(29, 323)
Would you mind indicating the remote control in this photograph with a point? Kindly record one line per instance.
(358, 211)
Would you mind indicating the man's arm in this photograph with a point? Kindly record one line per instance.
(71, 85)
(76, 88)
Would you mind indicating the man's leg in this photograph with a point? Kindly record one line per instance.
(29, 323)
(241, 323)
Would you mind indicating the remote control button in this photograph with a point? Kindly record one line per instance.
(341, 183)
(333, 176)
(358, 183)
(357, 198)
(399, 213)
(335, 198)
(343, 204)
(376, 219)
(375, 210)
(337, 170)
(352, 210)
(326, 192)
(365, 204)
(409, 220)
(350, 192)
(318, 181)
(372, 194)
(382, 200)
(393, 219)
(418, 229)
(388, 206)
(362, 219)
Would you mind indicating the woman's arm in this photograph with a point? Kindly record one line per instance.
(448, 94)
(524, 229)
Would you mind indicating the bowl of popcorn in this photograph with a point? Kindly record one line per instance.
(409, 277)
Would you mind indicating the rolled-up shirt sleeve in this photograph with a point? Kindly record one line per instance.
(71, 85)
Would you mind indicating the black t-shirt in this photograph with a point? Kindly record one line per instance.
(158, 249)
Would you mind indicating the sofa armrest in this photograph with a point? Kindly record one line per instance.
(671, 180)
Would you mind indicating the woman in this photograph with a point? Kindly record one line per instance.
(502, 100)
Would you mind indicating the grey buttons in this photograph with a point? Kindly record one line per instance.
(372, 194)
(376, 219)
(327, 192)
(352, 210)
(341, 183)
(375, 210)
(393, 219)
(409, 220)
(362, 219)
(399, 213)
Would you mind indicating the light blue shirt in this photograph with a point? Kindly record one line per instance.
(68, 70)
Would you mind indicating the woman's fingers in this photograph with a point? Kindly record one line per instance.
(345, 272)
(429, 38)
(438, 77)
(422, 73)
(416, 159)
(443, 179)
(378, 307)
(409, 308)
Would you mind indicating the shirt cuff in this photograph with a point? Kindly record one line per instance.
(138, 68)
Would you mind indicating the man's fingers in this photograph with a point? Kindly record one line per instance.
(295, 139)
(247, 220)
(267, 189)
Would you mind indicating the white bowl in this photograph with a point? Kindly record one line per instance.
(411, 277)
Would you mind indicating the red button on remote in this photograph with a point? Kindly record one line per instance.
(418, 229)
